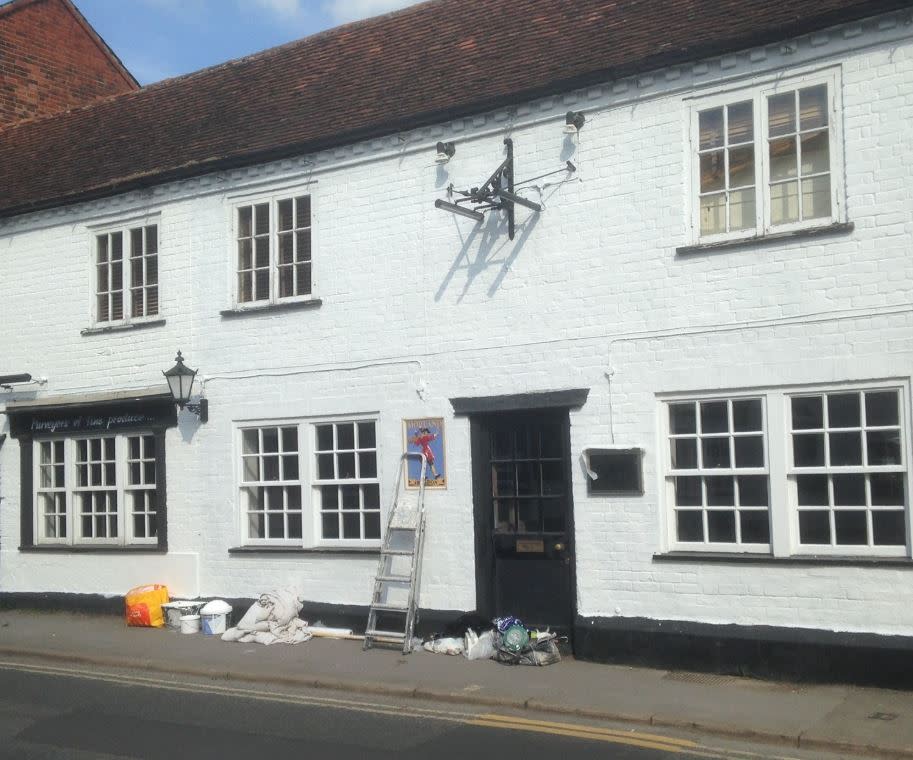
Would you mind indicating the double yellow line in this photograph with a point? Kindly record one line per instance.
(591, 733)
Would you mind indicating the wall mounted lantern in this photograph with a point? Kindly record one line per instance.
(445, 151)
(180, 382)
(573, 122)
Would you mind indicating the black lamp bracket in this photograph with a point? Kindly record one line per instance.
(200, 408)
(497, 192)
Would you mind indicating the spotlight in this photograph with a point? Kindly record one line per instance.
(454, 209)
(573, 122)
(445, 151)
(506, 195)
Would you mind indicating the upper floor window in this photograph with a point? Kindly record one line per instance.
(274, 250)
(766, 160)
(126, 274)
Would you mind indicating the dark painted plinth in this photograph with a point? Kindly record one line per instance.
(795, 654)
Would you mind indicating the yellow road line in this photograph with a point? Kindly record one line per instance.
(591, 729)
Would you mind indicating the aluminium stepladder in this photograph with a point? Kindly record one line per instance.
(399, 572)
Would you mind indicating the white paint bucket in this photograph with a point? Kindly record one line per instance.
(190, 624)
(177, 609)
(215, 617)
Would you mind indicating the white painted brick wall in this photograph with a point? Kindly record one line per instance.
(413, 296)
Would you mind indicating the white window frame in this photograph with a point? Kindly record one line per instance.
(782, 492)
(125, 535)
(125, 227)
(311, 527)
(670, 474)
(272, 198)
(758, 94)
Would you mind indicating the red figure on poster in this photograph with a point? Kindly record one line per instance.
(424, 439)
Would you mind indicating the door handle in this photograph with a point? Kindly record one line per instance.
(560, 547)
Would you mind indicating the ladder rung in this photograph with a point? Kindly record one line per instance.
(398, 552)
(387, 607)
(394, 578)
(375, 634)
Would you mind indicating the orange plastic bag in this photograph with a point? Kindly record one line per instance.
(144, 605)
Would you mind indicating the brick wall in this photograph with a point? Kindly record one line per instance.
(50, 61)
(420, 307)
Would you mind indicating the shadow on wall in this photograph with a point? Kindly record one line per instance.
(493, 249)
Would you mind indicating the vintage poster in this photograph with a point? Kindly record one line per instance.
(426, 436)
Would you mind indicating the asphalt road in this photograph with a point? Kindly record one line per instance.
(54, 711)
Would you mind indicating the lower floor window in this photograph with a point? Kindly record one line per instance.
(97, 489)
(835, 481)
(310, 483)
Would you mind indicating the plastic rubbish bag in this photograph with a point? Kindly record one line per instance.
(143, 606)
(444, 646)
(479, 646)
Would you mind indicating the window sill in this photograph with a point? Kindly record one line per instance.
(85, 549)
(122, 327)
(240, 311)
(325, 550)
(797, 560)
(838, 228)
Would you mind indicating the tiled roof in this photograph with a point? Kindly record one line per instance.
(417, 66)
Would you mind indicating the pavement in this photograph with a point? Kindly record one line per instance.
(837, 718)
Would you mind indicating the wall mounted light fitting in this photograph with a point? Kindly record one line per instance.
(573, 122)
(445, 151)
(180, 383)
(7, 381)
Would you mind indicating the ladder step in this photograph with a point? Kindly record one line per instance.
(374, 634)
(398, 552)
(387, 607)
(394, 578)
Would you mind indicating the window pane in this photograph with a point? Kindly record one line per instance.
(290, 467)
(783, 158)
(850, 527)
(881, 408)
(752, 490)
(815, 154)
(883, 447)
(684, 453)
(889, 528)
(816, 197)
(741, 166)
(713, 214)
(261, 218)
(286, 249)
(345, 436)
(152, 239)
(367, 464)
(528, 516)
(244, 222)
(814, 527)
(552, 516)
(720, 492)
(366, 437)
(290, 439)
(715, 452)
(505, 515)
(245, 254)
(294, 526)
(887, 489)
(747, 415)
(808, 450)
(849, 490)
(682, 419)
(843, 410)
(749, 451)
(784, 203)
(303, 211)
(812, 490)
(813, 107)
(329, 497)
(688, 492)
(690, 525)
(345, 465)
(742, 209)
(741, 123)
(325, 469)
(285, 214)
(713, 170)
(710, 126)
(846, 448)
(370, 495)
(714, 417)
(721, 526)
(261, 252)
(755, 525)
(781, 114)
(270, 439)
(330, 524)
(324, 437)
(351, 526)
(372, 525)
(807, 412)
